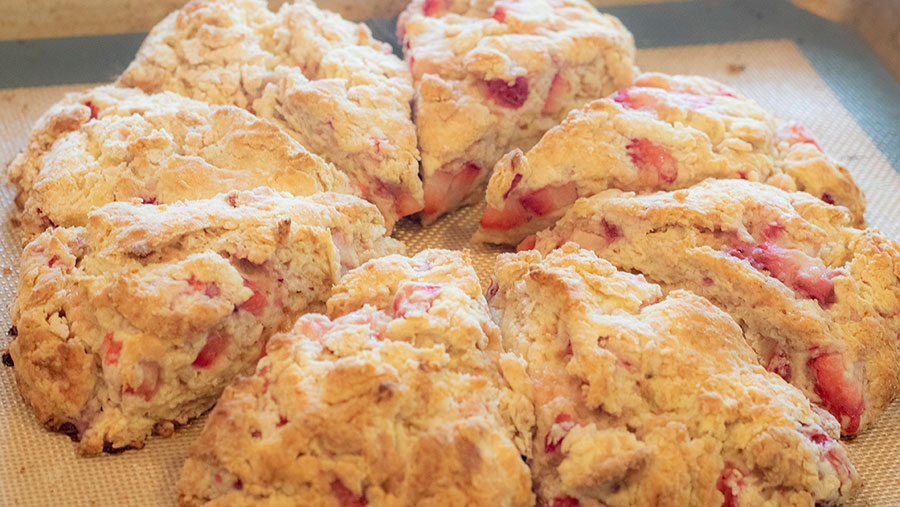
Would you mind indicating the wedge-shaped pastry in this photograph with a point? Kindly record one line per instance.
(118, 144)
(818, 299)
(396, 403)
(663, 133)
(137, 322)
(491, 76)
(333, 87)
(645, 399)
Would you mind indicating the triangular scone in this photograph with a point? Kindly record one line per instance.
(118, 144)
(325, 80)
(135, 323)
(818, 299)
(400, 403)
(491, 76)
(663, 133)
(645, 399)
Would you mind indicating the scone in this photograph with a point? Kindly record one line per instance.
(325, 80)
(383, 405)
(646, 399)
(818, 299)
(663, 133)
(491, 76)
(136, 322)
(118, 144)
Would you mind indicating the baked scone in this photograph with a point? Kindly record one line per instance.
(383, 405)
(491, 76)
(645, 399)
(818, 299)
(662, 133)
(118, 144)
(325, 80)
(137, 322)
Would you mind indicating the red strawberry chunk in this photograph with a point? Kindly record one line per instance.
(779, 363)
(841, 394)
(151, 374)
(345, 497)
(211, 352)
(512, 186)
(110, 349)
(527, 243)
(360, 189)
(830, 451)
(414, 297)
(807, 275)
(654, 162)
(558, 87)
(512, 215)
(407, 204)
(729, 484)
(446, 188)
(499, 13)
(827, 198)
(506, 95)
(632, 98)
(566, 501)
(794, 134)
(257, 302)
(546, 200)
(94, 109)
(436, 7)
(561, 427)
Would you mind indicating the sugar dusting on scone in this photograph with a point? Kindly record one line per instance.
(397, 402)
(646, 399)
(491, 76)
(327, 81)
(137, 322)
(662, 133)
(118, 144)
(818, 299)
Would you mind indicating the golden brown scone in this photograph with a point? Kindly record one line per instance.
(118, 144)
(663, 133)
(491, 76)
(818, 299)
(397, 404)
(646, 399)
(135, 323)
(325, 80)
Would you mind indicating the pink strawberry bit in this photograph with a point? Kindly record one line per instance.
(52, 261)
(826, 197)
(743, 175)
(257, 302)
(779, 363)
(654, 162)
(561, 427)
(722, 93)
(282, 420)
(512, 186)
(729, 484)
(558, 89)
(566, 501)
(446, 188)
(110, 349)
(609, 234)
(345, 497)
(151, 374)
(794, 134)
(95, 111)
(633, 98)
(772, 231)
(511, 216)
(313, 326)
(499, 13)
(406, 204)
(806, 275)
(360, 189)
(841, 394)
(492, 290)
(707, 281)
(436, 7)
(505, 95)
(413, 297)
(527, 244)
(210, 289)
(212, 350)
(830, 451)
(546, 200)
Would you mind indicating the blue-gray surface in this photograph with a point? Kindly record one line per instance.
(836, 52)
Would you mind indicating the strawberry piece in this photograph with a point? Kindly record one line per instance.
(654, 162)
(499, 13)
(729, 484)
(210, 289)
(492, 290)
(407, 204)
(566, 501)
(110, 349)
(313, 325)
(558, 87)
(794, 134)
(512, 186)
(779, 363)
(211, 351)
(257, 302)
(722, 93)
(414, 297)
(445, 188)
(772, 231)
(546, 200)
(436, 7)
(842, 396)
(830, 451)
(151, 374)
(693, 101)
(527, 243)
(827, 198)
(345, 497)
(564, 422)
(632, 98)
(512, 215)
(506, 95)
(360, 189)
(807, 275)
(95, 111)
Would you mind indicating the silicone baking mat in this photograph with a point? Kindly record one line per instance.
(792, 63)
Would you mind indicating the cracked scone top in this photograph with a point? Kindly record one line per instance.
(645, 399)
(325, 80)
(491, 76)
(136, 322)
(118, 144)
(818, 299)
(395, 403)
(663, 133)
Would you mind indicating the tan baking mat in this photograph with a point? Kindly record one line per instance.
(40, 468)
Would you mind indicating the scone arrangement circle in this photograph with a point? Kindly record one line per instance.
(697, 313)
